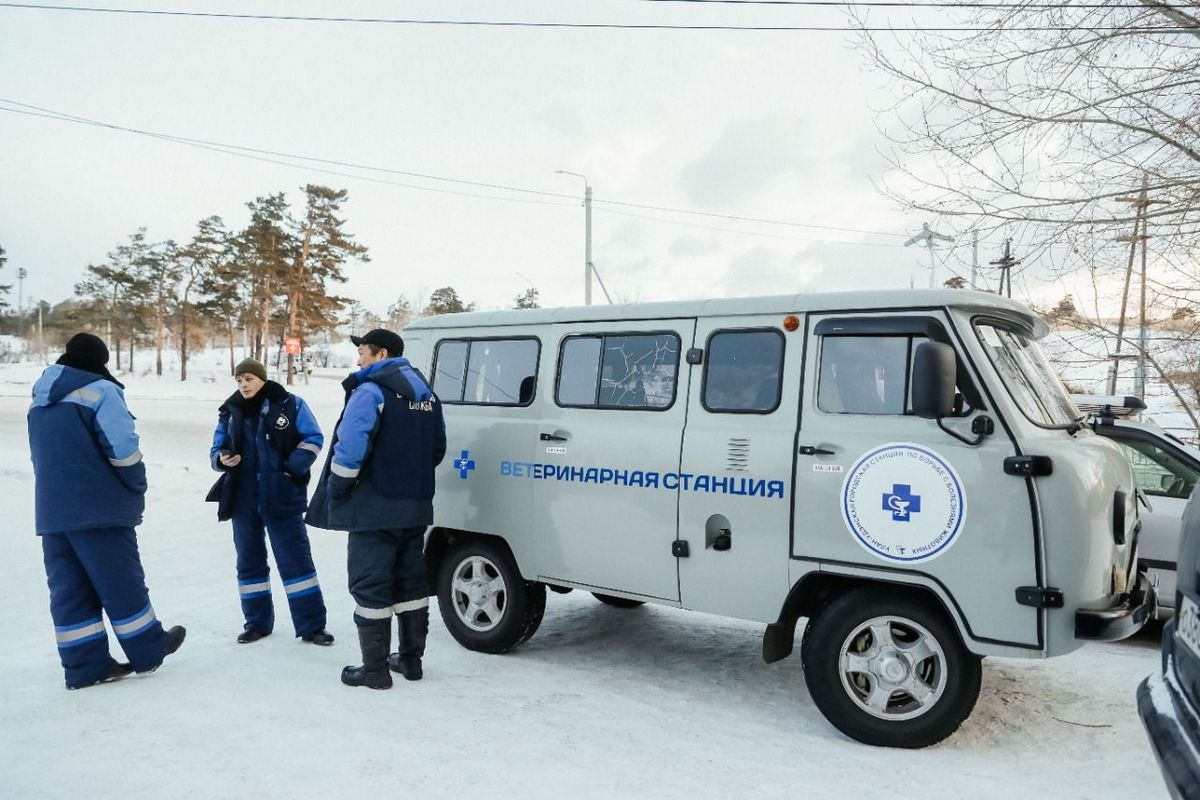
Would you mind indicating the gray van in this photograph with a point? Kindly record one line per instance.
(900, 469)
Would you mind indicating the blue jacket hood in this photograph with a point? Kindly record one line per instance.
(396, 374)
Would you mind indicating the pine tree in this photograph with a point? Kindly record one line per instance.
(446, 301)
(323, 250)
(265, 249)
(527, 299)
(197, 261)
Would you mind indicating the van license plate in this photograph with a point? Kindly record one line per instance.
(1188, 629)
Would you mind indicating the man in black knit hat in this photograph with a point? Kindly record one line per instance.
(90, 486)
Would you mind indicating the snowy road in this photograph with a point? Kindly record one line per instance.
(602, 702)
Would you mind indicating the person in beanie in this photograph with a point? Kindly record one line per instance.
(90, 487)
(378, 485)
(265, 444)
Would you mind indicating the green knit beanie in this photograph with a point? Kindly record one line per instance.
(251, 367)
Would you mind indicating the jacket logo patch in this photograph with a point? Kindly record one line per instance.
(281, 422)
(423, 405)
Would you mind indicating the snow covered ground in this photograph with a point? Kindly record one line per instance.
(602, 702)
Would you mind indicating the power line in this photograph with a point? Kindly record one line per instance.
(260, 154)
(590, 25)
(752, 233)
(736, 218)
(919, 4)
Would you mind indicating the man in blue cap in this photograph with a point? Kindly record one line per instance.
(90, 486)
(378, 485)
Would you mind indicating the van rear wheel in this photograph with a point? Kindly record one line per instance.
(617, 602)
(889, 671)
(485, 603)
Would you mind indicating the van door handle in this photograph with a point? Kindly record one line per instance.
(809, 450)
(551, 437)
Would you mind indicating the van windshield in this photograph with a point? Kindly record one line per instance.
(1027, 375)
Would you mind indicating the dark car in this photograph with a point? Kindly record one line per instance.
(1168, 700)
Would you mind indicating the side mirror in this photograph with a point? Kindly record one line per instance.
(934, 369)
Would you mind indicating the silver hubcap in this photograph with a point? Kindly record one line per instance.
(479, 593)
(893, 668)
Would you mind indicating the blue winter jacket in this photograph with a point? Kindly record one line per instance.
(87, 466)
(286, 440)
(389, 439)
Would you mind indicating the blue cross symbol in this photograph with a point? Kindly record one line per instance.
(901, 502)
(464, 464)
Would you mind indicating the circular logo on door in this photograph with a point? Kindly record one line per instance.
(903, 502)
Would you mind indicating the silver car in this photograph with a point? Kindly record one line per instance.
(1165, 468)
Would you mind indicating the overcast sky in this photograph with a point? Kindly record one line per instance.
(770, 125)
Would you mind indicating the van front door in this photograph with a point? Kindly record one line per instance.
(606, 471)
(881, 488)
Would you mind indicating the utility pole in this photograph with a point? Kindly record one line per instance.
(1140, 204)
(1006, 262)
(927, 236)
(974, 258)
(587, 233)
(21, 275)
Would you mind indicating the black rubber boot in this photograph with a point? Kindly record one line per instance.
(375, 641)
(414, 629)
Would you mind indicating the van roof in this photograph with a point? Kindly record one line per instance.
(736, 306)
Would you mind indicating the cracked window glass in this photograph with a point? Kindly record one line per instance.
(501, 371)
(638, 371)
(449, 370)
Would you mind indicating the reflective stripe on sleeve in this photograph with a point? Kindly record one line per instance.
(343, 472)
(71, 635)
(373, 613)
(411, 605)
(127, 461)
(309, 446)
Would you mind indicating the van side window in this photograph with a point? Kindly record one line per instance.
(486, 371)
(865, 374)
(1156, 471)
(449, 370)
(619, 371)
(743, 371)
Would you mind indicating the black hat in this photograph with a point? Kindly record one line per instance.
(87, 352)
(382, 337)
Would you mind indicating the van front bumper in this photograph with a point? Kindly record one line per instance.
(1122, 620)
(1174, 732)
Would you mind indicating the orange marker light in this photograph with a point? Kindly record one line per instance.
(791, 322)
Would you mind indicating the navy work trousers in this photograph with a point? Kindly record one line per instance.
(293, 557)
(96, 570)
(387, 573)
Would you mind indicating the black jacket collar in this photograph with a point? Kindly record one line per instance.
(271, 392)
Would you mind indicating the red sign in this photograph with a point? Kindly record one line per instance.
(291, 345)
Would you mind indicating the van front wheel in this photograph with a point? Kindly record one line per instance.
(485, 603)
(889, 671)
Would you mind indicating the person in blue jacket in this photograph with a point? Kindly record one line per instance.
(90, 487)
(378, 484)
(265, 444)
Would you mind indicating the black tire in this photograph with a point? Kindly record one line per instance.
(512, 607)
(618, 602)
(919, 649)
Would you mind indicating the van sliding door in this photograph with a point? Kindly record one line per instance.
(605, 475)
